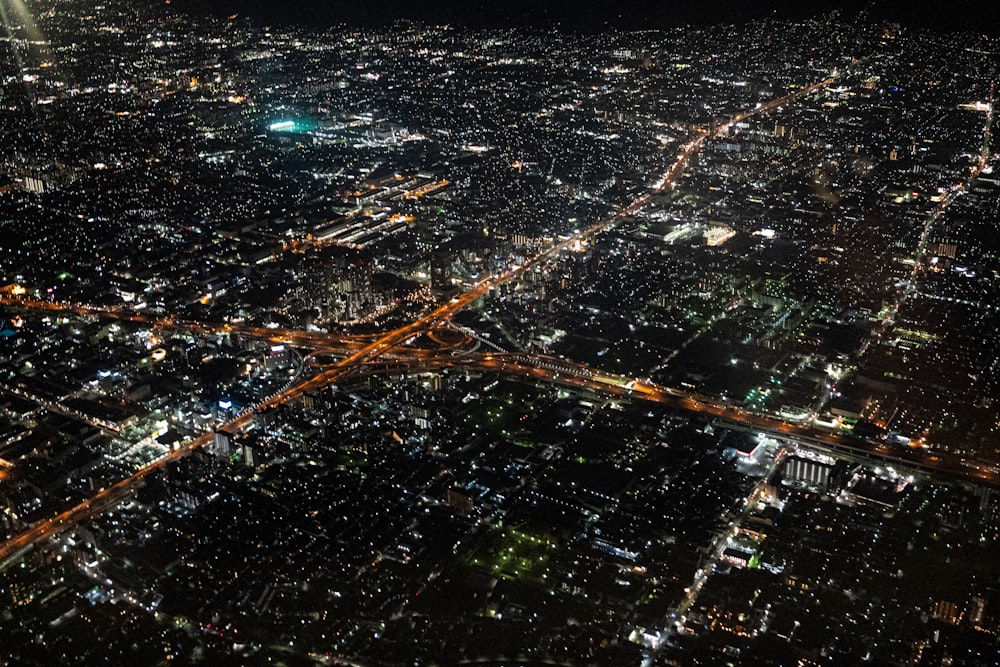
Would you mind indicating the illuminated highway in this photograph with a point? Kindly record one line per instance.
(909, 286)
(569, 374)
(532, 367)
(360, 350)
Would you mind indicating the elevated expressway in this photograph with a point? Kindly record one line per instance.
(559, 371)
(390, 352)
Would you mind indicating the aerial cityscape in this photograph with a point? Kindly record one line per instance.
(435, 343)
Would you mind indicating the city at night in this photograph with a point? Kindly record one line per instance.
(499, 334)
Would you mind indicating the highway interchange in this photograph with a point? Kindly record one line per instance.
(393, 353)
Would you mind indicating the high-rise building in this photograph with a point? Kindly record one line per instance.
(223, 442)
(441, 272)
(977, 611)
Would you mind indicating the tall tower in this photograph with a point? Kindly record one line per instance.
(223, 442)
(441, 272)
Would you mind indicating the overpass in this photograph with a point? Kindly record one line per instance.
(358, 351)
(565, 373)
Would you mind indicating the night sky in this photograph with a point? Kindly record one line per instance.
(575, 15)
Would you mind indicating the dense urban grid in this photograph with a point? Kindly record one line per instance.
(438, 346)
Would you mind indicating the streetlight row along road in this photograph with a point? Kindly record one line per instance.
(355, 361)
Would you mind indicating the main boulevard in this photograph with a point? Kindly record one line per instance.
(389, 353)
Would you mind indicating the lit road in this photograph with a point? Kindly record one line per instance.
(275, 335)
(359, 351)
(101, 501)
(566, 373)
(909, 287)
(532, 367)
(333, 344)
